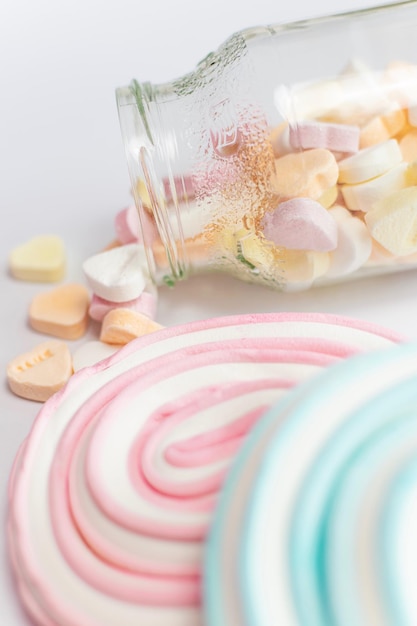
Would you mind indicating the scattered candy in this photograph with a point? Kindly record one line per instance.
(123, 325)
(117, 275)
(113, 493)
(146, 303)
(38, 374)
(62, 312)
(301, 224)
(42, 259)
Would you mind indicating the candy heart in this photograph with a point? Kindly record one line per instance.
(123, 325)
(301, 224)
(38, 374)
(119, 274)
(40, 259)
(62, 312)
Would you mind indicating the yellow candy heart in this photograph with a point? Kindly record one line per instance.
(41, 259)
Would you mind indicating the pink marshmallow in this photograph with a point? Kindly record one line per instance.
(301, 224)
(335, 137)
(145, 303)
(128, 226)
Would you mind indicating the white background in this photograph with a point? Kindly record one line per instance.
(63, 171)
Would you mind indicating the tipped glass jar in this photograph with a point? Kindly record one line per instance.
(287, 158)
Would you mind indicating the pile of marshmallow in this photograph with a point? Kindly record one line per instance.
(344, 179)
(119, 297)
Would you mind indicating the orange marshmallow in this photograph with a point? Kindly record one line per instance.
(123, 325)
(196, 251)
(38, 374)
(382, 127)
(305, 174)
(62, 312)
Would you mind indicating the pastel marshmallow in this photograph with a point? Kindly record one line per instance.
(334, 137)
(38, 374)
(127, 225)
(280, 140)
(370, 162)
(393, 222)
(362, 197)
(119, 274)
(249, 248)
(408, 146)
(62, 312)
(146, 303)
(41, 259)
(300, 224)
(301, 267)
(383, 127)
(90, 353)
(412, 115)
(354, 244)
(304, 174)
(196, 250)
(329, 197)
(123, 325)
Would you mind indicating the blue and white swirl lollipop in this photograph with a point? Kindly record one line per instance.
(316, 522)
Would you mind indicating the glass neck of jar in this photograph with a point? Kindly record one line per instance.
(151, 134)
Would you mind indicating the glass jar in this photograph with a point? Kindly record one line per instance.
(287, 158)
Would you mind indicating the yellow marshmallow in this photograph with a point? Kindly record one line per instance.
(329, 197)
(301, 266)
(393, 222)
(42, 259)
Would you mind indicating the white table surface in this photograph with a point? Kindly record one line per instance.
(63, 170)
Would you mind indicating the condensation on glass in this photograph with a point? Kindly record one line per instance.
(287, 158)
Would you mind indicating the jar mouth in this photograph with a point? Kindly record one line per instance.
(156, 191)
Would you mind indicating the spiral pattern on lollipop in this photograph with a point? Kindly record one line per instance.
(112, 494)
(316, 521)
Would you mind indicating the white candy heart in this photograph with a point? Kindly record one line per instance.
(118, 274)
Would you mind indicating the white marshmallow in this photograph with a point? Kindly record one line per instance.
(370, 162)
(118, 274)
(354, 244)
(363, 196)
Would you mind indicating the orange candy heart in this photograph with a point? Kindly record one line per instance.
(38, 374)
(62, 312)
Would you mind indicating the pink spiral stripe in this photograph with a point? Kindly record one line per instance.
(112, 494)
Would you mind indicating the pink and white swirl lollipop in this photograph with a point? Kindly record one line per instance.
(112, 493)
